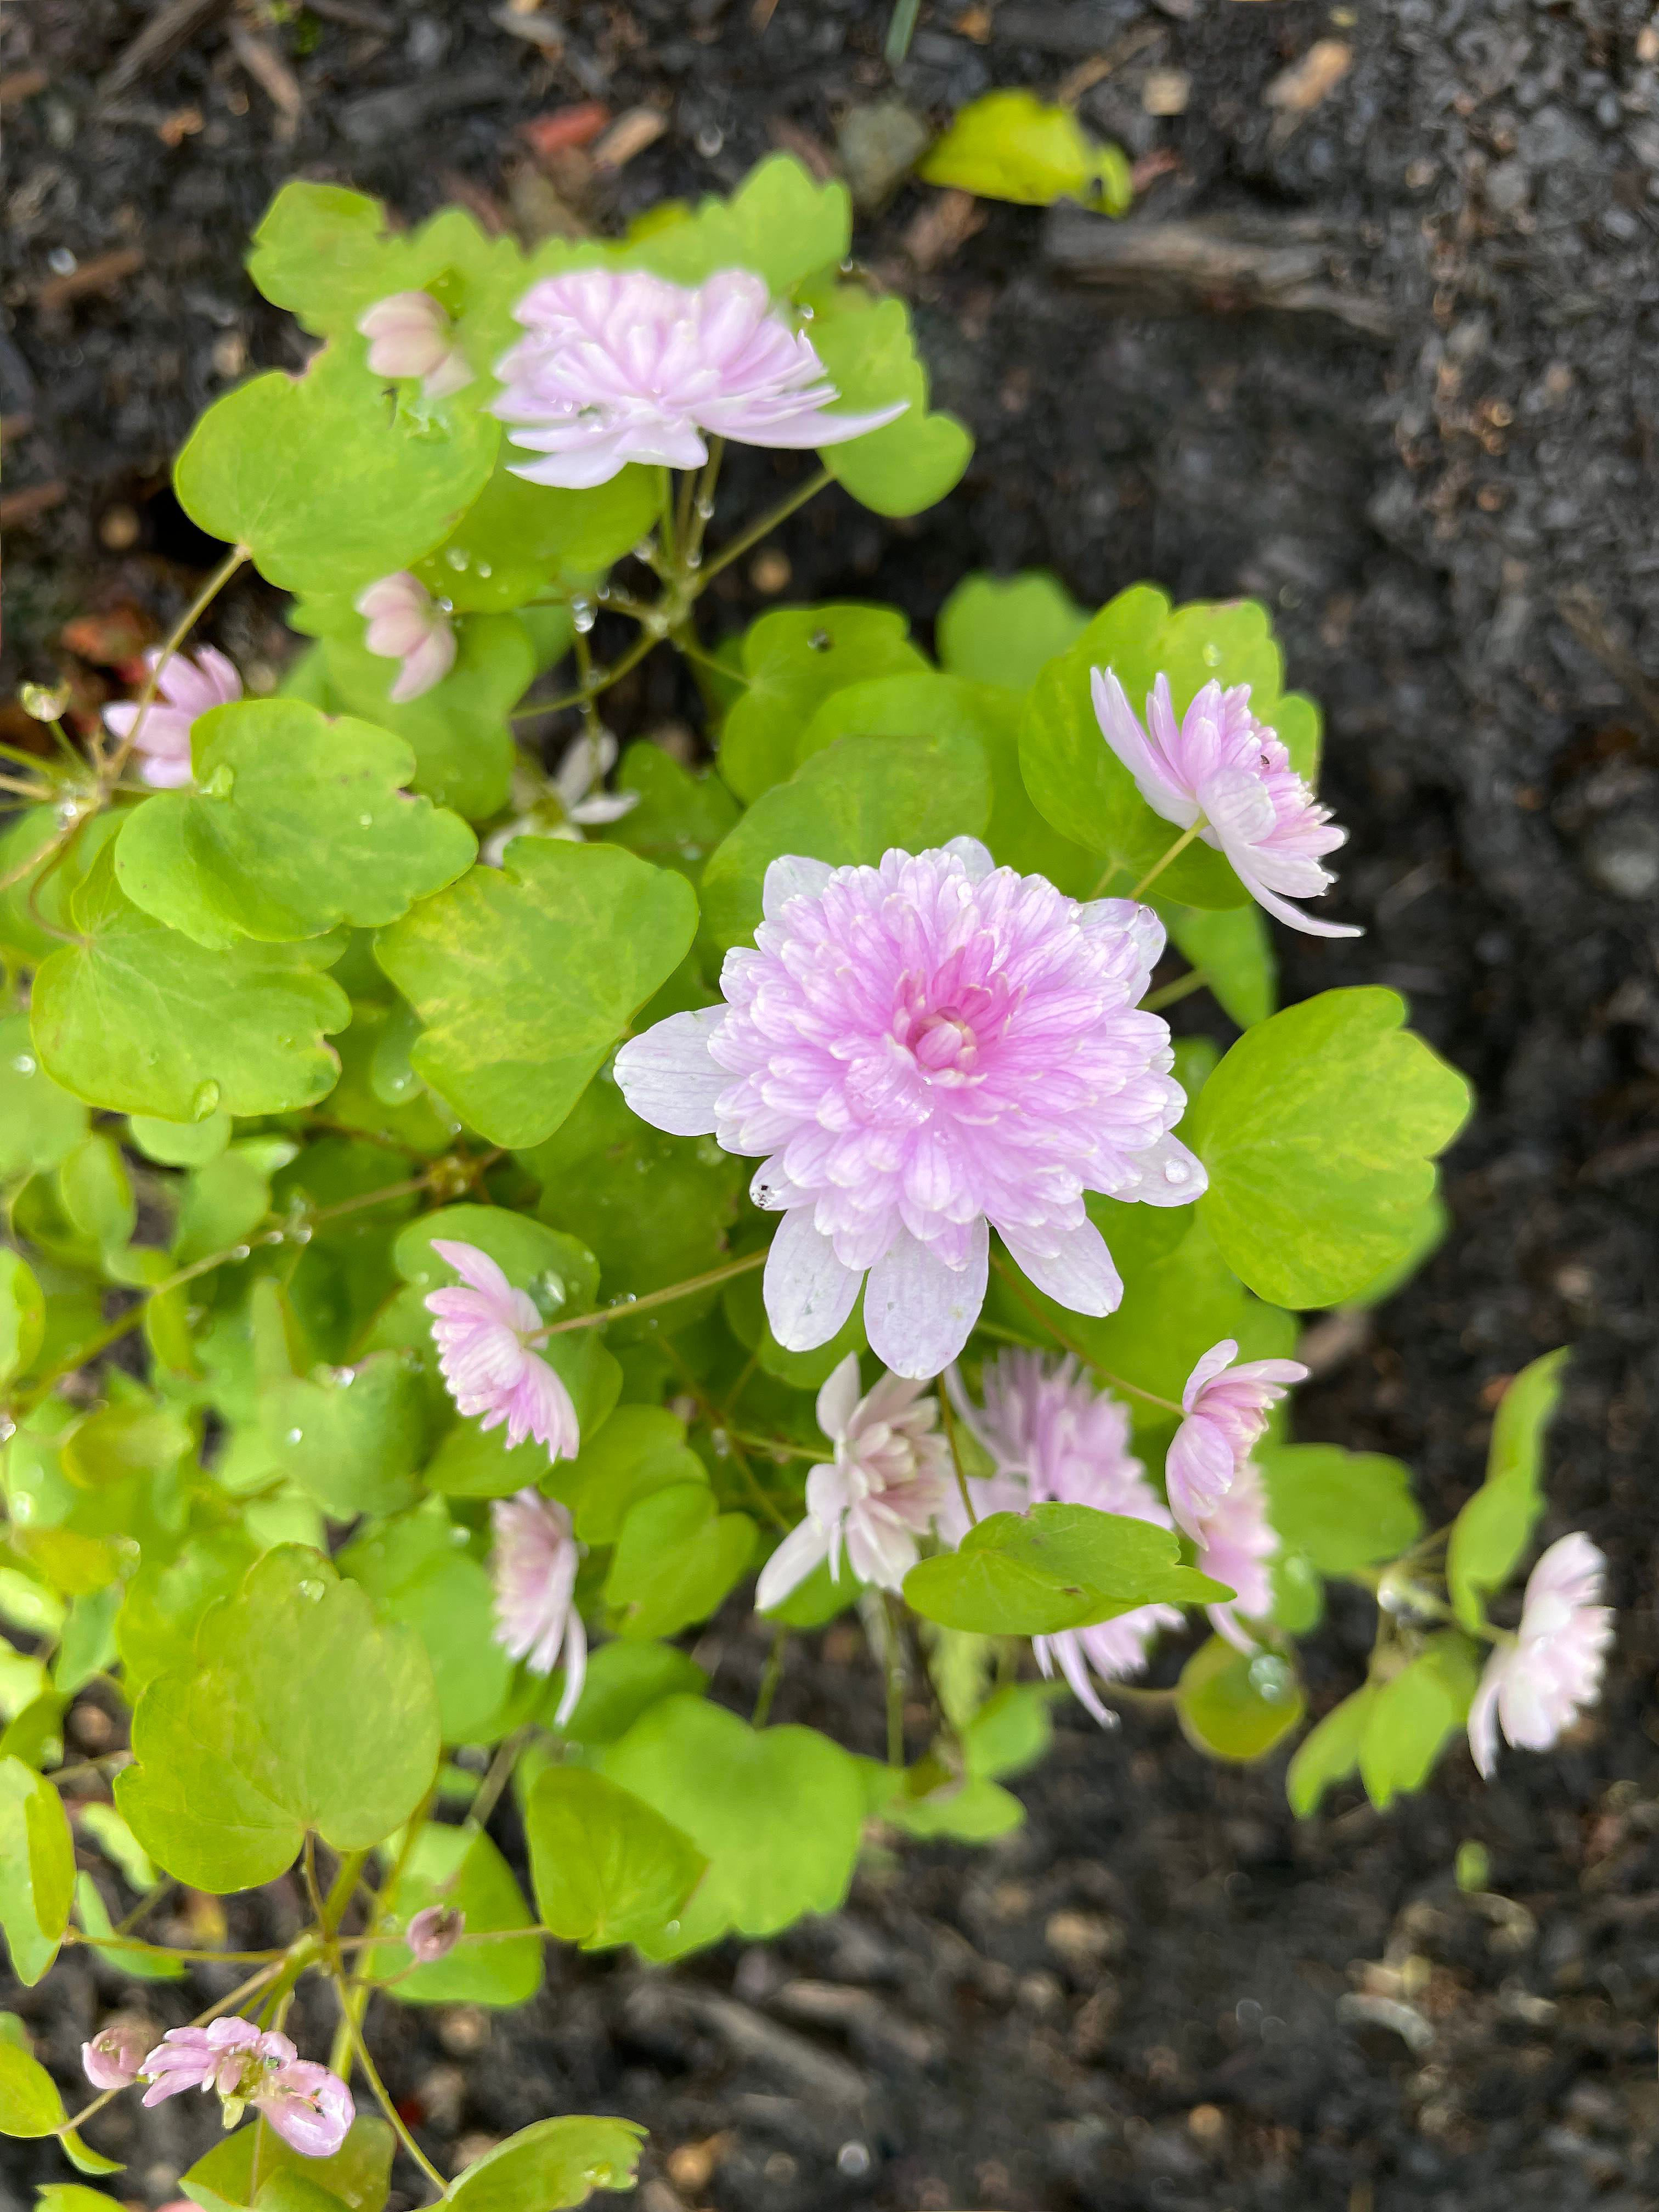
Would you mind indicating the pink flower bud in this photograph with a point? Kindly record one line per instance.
(115, 2056)
(433, 1933)
(309, 2107)
(410, 335)
(406, 624)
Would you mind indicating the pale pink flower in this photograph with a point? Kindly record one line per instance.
(410, 334)
(1235, 1542)
(487, 1365)
(579, 801)
(310, 2108)
(1221, 767)
(115, 2056)
(1226, 1408)
(433, 1933)
(185, 689)
(1063, 1443)
(534, 1566)
(890, 1477)
(621, 366)
(406, 624)
(923, 1052)
(1538, 1681)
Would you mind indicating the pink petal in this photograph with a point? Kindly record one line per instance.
(667, 1076)
(1080, 1275)
(808, 1293)
(917, 1312)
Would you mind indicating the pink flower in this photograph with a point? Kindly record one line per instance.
(406, 624)
(1049, 1430)
(923, 1052)
(1236, 1540)
(620, 366)
(115, 2056)
(1220, 767)
(410, 334)
(890, 1476)
(534, 1564)
(1226, 1415)
(185, 689)
(433, 1933)
(309, 2107)
(480, 1335)
(1538, 1681)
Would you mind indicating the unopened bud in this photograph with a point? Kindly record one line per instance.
(433, 1934)
(43, 703)
(115, 2055)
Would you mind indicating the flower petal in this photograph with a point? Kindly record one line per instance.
(667, 1076)
(1080, 1275)
(839, 1397)
(919, 1312)
(795, 1558)
(809, 1293)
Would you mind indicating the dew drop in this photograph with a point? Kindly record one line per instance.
(583, 614)
(240, 1251)
(1212, 655)
(221, 783)
(1176, 1171)
(456, 558)
(485, 568)
(345, 1376)
(204, 1100)
(644, 550)
(365, 821)
(312, 1590)
(296, 1436)
(820, 640)
(705, 508)
(24, 1063)
(709, 140)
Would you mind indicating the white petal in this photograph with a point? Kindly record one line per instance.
(791, 1563)
(1165, 1174)
(1080, 1275)
(1483, 1713)
(1282, 910)
(1236, 807)
(809, 1293)
(792, 875)
(838, 1397)
(973, 856)
(575, 1666)
(668, 1077)
(918, 1312)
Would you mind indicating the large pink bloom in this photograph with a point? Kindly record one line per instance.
(404, 622)
(1221, 767)
(890, 1477)
(1226, 1408)
(480, 1335)
(184, 689)
(534, 1565)
(620, 366)
(1047, 1427)
(308, 2106)
(1538, 1682)
(1236, 1543)
(923, 1052)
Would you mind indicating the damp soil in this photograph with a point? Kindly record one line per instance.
(1386, 358)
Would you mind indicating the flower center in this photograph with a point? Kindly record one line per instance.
(945, 1041)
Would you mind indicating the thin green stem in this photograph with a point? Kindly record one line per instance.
(779, 1448)
(190, 1958)
(720, 1425)
(770, 1677)
(947, 1415)
(1183, 987)
(892, 1667)
(1070, 1344)
(187, 621)
(752, 536)
(627, 1310)
(500, 1774)
(702, 505)
(1174, 853)
(360, 2049)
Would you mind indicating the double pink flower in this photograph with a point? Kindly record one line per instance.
(309, 2106)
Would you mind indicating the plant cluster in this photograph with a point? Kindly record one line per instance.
(475, 1215)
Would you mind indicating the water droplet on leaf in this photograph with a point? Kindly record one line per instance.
(312, 1590)
(24, 1063)
(204, 1100)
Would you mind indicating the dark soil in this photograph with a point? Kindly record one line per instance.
(1438, 464)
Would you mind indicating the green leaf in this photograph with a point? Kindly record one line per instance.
(517, 537)
(1014, 146)
(416, 1572)
(527, 974)
(1411, 1717)
(182, 1144)
(777, 1812)
(1003, 629)
(156, 1628)
(94, 1917)
(122, 1439)
(298, 823)
(1491, 1534)
(1232, 947)
(359, 2173)
(71, 2196)
(460, 1866)
(299, 1712)
(624, 1680)
(866, 346)
(118, 1843)
(677, 1557)
(83, 2159)
(224, 1202)
(1053, 1568)
(139, 1018)
(40, 1124)
(680, 816)
(327, 485)
(780, 222)
(1343, 1509)
(22, 1315)
(968, 1811)
(325, 253)
(1319, 1130)
(37, 1874)
(459, 731)
(294, 2192)
(851, 803)
(605, 1867)
(29, 2102)
(554, 2164)
(1329, 1752)
(640, 1450)
(1238, 1705)
(793, 660)
(350, 1440)
(96, 1194)
(44, 866)
(560, 1274)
